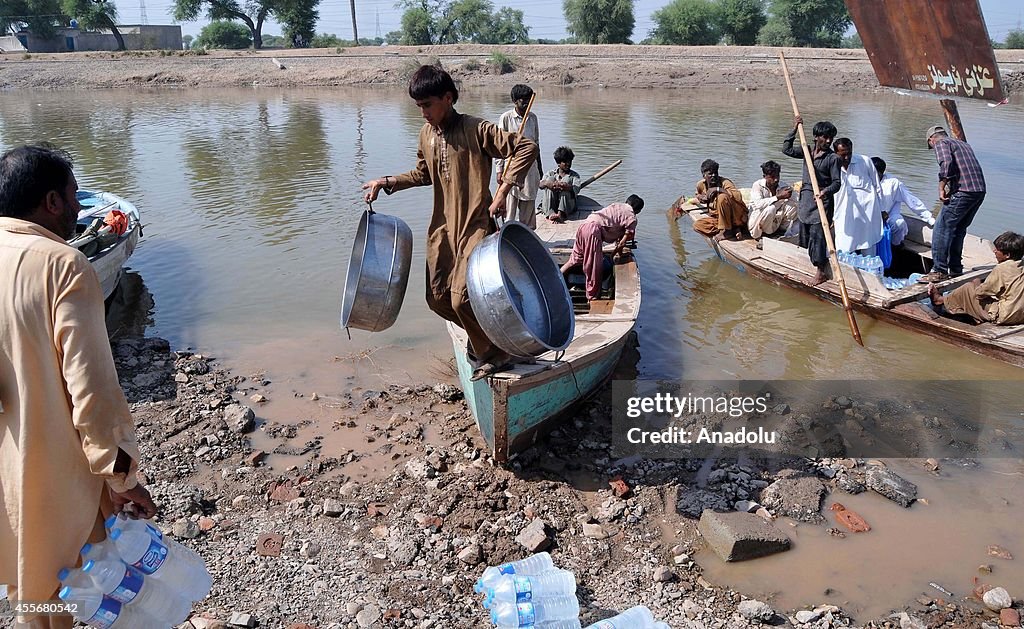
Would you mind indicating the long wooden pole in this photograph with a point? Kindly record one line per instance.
(604, 171)
(956, 129)
(833, 258)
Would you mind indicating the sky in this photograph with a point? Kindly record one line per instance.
(544, 17)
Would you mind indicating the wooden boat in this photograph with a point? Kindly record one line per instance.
(782, 262)
(513, 407)
(106, 252)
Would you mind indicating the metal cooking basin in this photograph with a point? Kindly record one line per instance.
(378, 273)
(517, 293)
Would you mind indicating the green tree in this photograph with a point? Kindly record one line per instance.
(1015, 39)
(94, 15)
(324, 40)
(741, 20)
(298, 20)
(853, 41)
(186, 41)
(506, 28)
(252, 13)
(687, 23)
(275, 41)
(452, 21)
(600, 21)
(223, 34)
(815, 23)
(40, 17)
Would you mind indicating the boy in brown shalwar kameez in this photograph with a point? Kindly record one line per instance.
(455, 155)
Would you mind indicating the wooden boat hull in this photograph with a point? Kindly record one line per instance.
(785, 265)
(514, 407)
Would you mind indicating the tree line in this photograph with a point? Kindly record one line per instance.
(239, 23)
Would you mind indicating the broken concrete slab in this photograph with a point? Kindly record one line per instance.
(892, 486)
(740, 536)
(796, 497)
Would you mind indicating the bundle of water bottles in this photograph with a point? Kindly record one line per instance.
(534, 594)
(135, 578)
(875, 266)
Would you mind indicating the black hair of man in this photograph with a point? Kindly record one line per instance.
(771, 167)
(521, 92)
(430, 81)
(637, 204)
(879, 165)
(709, 166)
(564, 154)
(1010, 243)
(28, 174)
(847, 142)
(825, 129)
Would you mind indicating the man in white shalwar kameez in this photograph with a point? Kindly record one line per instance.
(858, 213)
(521, 203)
(771, 207)
(895, 194)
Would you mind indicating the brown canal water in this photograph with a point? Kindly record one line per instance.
(250, 200)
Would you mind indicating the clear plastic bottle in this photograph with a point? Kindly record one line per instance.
(535, 564)
(522, 589)
(513, 616)
(151, 556)
(638, 617)
(180, 550)
(129, 587)
(74, 577)
(572, 623)
(97, 610)
(99, 551)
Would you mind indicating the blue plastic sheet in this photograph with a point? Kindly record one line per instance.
(884, 248)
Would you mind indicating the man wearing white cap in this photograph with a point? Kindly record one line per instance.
(962, 191)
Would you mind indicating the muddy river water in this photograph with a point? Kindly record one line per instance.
(250, 200)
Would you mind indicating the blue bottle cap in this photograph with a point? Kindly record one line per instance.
(115, 533)
(85, 549)
(63, 574)
(65, 593)
(88, 566)
(110, 522)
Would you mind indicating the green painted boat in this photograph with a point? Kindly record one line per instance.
(513, 408)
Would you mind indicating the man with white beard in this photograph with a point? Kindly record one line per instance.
(858, 214)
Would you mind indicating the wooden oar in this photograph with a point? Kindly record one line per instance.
(600, 174)
(833, 258)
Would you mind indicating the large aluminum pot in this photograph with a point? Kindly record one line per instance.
(517, 293)
(378, 272)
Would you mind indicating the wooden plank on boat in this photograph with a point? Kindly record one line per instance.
(920, 291)
(601, 306)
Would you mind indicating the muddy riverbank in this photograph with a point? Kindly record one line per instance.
(393, 530)
(613, 66)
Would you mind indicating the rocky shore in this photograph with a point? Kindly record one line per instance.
(308, 545)
(612, 66)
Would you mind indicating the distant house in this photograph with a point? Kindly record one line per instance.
(136, 37)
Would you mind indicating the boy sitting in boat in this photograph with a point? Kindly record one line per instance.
(771, 208)
(615, 223)
(725, 202)
(1000, 298)
(561, 186)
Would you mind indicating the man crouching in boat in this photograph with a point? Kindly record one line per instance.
(615, 223)
(724, 200)
(455, 155)
(1000, 298)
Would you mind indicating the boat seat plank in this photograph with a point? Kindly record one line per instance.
(920, 291)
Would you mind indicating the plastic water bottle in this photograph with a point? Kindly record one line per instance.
(571, 623)
(536, 564)
(97, 610)
(523, 589)
(74, 577)
(203, 580)
(151, 556)
(127, 585)
(99, 552)
(638, 617)
(877, 266)
(513, 616)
